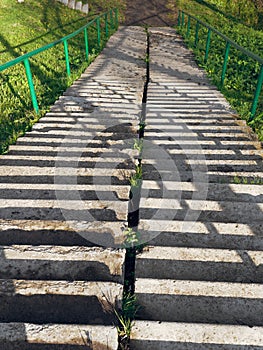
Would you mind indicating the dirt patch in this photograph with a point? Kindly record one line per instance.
(148, 12)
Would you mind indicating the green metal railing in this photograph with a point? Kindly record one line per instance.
(25, 59)
(229, 43)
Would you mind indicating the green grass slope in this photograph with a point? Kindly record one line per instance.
(23, 28)
(242, 72)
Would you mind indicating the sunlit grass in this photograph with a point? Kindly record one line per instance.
(23, 28)
(242, 72)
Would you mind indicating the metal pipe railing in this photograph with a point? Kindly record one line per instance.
(229, 43)
(25, 59)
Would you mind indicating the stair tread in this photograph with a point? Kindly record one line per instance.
(105, 290)
(199, 254)
(199, 288)
(61, 335)
(193, 333)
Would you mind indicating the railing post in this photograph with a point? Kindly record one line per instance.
(111, 19)
(182, 18)
(31, 85)
(257, 94)
(196, 33)
(116, 18)
(207, 46)
(179, 18)
(98, 30)
(188, 26)
(106, 25)
(225, 63)
(86, 43)
(66, 56)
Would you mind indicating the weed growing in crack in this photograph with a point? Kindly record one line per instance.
(136, 179)
(138, 145)
(132, 238)
(247, 181)
(126, 320)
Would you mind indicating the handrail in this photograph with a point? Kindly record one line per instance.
(229, 43)
(25, 58)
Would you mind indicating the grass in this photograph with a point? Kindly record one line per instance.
(23, 28)
(126, 320)
(247, 181)
(242, 72)
(132, 238)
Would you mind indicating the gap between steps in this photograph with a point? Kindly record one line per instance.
(133, 216)
(133, 212)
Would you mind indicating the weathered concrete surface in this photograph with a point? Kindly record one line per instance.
(64, 192)
(199, 283)
(199, 280)
(86, 139)
(44, 301)
(199, 264)
(149, 335)
(200, 301)
(68, 263)
(72, 4)
(26, 336)
(76, 5)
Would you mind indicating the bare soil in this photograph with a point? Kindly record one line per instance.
(148, 12)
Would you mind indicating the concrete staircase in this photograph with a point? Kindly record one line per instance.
(64, 199)
(199, 277)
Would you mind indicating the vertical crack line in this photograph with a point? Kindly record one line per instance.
(135, 192)
(129, 306)
(145, 89)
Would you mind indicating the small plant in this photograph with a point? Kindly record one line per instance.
(124, 330)
(126, 319)
(147, 58)
(136, 179)
(236, 180)
(138, 145)
(247, 181)
(142, 126)
(132, 238)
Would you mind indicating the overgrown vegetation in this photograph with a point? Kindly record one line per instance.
(126, 320)
(246, 180)
(25, 27)
(250, 12)
(242, 72)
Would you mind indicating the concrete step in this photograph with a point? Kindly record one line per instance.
(206, 264)
(84, 162)
(50, 188)
(24, 209)
(200, 301)
(34, 231)
(61, 263)
(29, 336)
(42, 301)
(203, 210)
(211, 191)
(65, 191)
(198, 283)
(67, 171)
(233, 144)
(200, 173)
(154, 335)
(43, 180)
(198, 234)
(51, 123)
